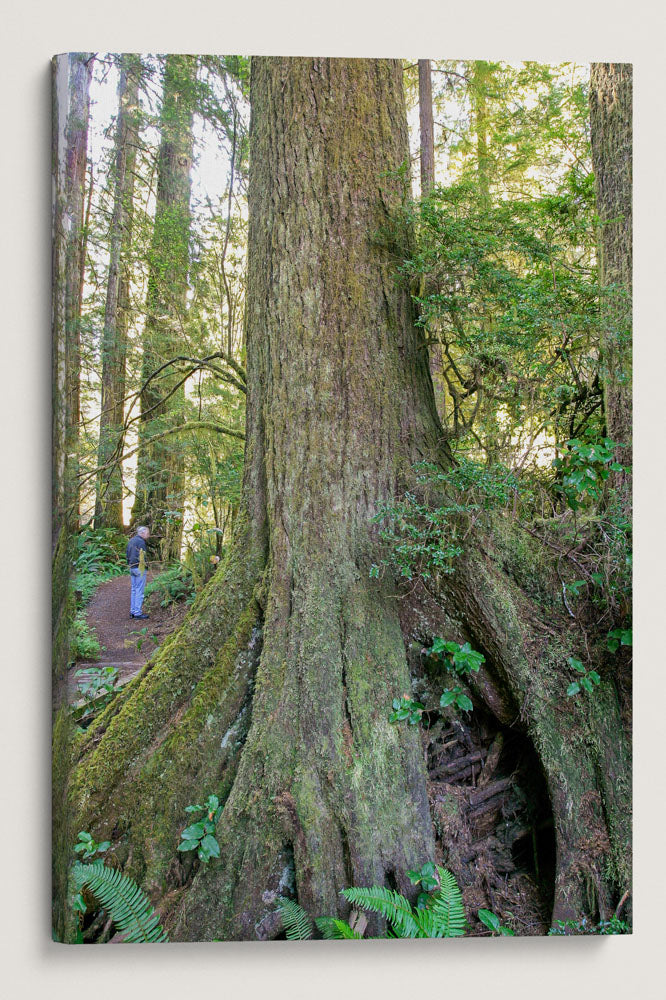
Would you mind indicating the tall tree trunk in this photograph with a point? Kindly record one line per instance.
(481, 76)
(427, 146)
(427, 127)
(70, 83)
(276, 692)
(611, 131)
(159, 482)
(108, 500)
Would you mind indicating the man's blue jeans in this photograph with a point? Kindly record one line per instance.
(138, 580)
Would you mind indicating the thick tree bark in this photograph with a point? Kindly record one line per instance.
(160, 470)
(275, 694)
(611, 131)
(70, 83)
(108, 500)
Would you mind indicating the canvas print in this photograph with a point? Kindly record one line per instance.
(341, 498)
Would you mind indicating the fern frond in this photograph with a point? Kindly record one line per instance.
(389, 904)
(124, 901)
(447, 907)
(336, 930)
(295, 920)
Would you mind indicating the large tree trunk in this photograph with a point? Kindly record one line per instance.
(611, 131)
(70, 89)
(109, 492)
(275, 694)
(160, 469)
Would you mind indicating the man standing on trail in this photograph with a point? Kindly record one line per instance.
(136, 557)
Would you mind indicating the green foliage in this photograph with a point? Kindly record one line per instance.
(584, 926)
(296, 922)
(492, 922)
(174, 584)
(587, 680)
(442, 916)
(460, 659)
(619, 637)
(97, 684)
(83, 641)
(333, 929)
(141, 636)
(424, 532)
(88, 846)
(584, 468)
(99, 555)
(456, 696)
(406, 708)
(127, 904)
(200, 836)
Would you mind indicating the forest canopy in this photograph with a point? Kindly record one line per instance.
(352, 338)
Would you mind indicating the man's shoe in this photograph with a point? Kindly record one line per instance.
(142, 616)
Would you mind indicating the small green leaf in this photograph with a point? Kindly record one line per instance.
(576, 665)
(573, 689)
(594, 677)
(188, 845)
(79, 904)
(464, 703)
(490, 919)
(194, 832)
(210, 844)
(447, 699)
(587, 683)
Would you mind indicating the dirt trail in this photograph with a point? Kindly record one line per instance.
(124, 642)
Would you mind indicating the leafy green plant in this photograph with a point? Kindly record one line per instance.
(296, 922)
(99, 556)
(406, 708)
(424, 532)
(492, 922)
(88, 846)
(127, 904)
(83, 641)
(97, 684)
(584, 468)
(619, 637)
(442, 916)
(587, 680)
(175, 584)
(333, 929)
(439, 912)
(456, 696)
(200, 836)
(426, 877)
(460, 659)
(142, 635)
(457, 659)
(583, 926)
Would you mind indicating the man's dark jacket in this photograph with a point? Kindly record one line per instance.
(134, 547)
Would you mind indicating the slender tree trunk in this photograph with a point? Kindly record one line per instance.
(427, 144)
(611, 130)
(108, 502)
(70, 83)
(160, 471)
(427, 127)
(481, 75)
(276, 692)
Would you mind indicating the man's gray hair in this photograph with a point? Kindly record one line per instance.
(140, 530)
